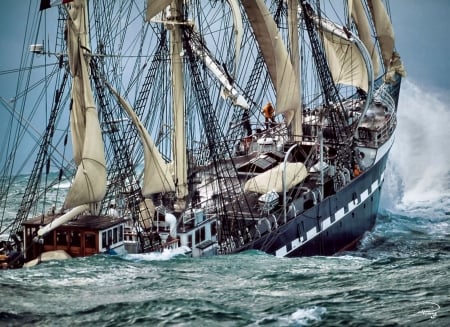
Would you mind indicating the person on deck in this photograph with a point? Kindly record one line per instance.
(356, 170)
(246, 122)
(112, 210)
(268, 112)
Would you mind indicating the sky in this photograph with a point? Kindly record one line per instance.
(421, 29)
(423, 40)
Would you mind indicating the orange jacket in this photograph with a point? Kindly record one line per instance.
(268, 110)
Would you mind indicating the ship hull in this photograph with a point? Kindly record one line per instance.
(333, 225)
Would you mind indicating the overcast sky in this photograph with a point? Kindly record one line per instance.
(421, 28)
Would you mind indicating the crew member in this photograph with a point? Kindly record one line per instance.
(268, 112)
(112, 210)
(356, 170)
(246, 122)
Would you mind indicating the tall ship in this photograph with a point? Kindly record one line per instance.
(210, 127)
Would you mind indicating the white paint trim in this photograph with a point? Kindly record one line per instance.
(326, 223)
(382, 150)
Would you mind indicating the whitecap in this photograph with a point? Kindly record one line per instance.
(306, 316)
(62, 185)
(167, 254)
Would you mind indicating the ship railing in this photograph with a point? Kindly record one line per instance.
(375, 138)
(386, 131)
(382, 95)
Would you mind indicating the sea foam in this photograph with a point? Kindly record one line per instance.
(418, 173)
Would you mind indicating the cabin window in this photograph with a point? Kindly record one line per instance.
(31, 231)
(115, 235)
(49, 239)
(189, 240)
(213, 228)
(104, 243)
(75, 239)
(89, 241)
(109, 241)
(199, 235)
(120, 233)
(61, 238)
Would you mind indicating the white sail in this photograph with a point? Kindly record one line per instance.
(359, 17)
(157, 177)
(89, 185)
(344, 58)
(383, 27)
(272, 179)
(238, 31)
(276, 57)
(154, 7)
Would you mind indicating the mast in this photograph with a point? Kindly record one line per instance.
(296, 125)
(179, 142)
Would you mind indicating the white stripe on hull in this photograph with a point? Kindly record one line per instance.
(326, 223)
(341, 213)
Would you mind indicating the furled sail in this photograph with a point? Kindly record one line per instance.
(344, 58)
(359, 17)
(272, 180)
(276, 57)
(157, 176)
(89, 185)
(228, 90)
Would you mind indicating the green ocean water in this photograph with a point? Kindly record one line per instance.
(399, 276)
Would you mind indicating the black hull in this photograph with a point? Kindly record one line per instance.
(333, 225)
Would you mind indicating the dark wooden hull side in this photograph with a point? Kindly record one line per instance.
(333, 225)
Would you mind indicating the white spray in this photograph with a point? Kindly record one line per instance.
(418, 172)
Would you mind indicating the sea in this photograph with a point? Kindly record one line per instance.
(398, 276)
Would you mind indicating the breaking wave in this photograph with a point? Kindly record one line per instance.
(167, 254)
(418, 173)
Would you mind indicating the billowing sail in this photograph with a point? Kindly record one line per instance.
(89, 185)
(362, 24)
(276, 57)
(344, 58)
(272, 180)
(345, 61)
(157, 177)
(384, 30)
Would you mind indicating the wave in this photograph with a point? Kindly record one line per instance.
(167, 254)
(418, 175)
(304, 316)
